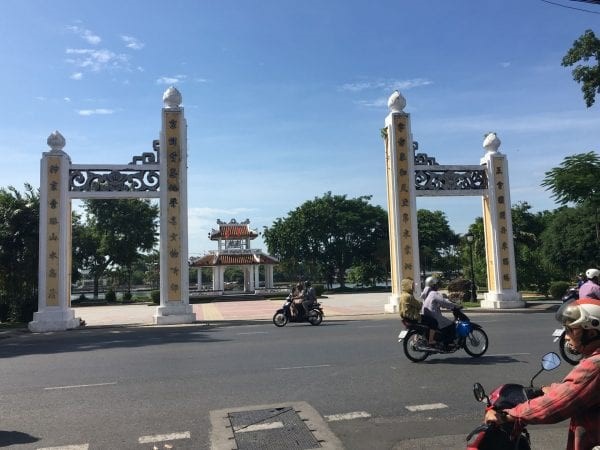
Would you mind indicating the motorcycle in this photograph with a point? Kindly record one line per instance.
(568, 353)
(284, 315)
(467, 335)
(508, 435)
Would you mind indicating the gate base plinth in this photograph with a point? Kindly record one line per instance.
(54, 320)
(495, 300)
(392, 305)
(174, 314)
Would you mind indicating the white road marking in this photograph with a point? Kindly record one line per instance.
(348, 416)
(302, 367)
(260, 427)
(67, 447)
(163, 437)
(415, 408)
(78, 386)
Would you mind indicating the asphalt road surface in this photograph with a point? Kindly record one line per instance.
(346, 381)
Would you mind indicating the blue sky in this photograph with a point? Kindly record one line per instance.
(285, 100)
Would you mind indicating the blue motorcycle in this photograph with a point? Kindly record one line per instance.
(464, 335)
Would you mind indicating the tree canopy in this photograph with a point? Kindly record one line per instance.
(327, 235)
(585, 48)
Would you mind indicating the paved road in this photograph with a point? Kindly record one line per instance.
(153, 387)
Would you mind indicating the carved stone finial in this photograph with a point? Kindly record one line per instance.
(56, 141)
(172, 98)
(396, 102)
(491, 142)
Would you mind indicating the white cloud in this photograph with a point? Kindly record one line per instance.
(401, 85)
(76, 76)
(96, 60)
(91, 112)
(90, 37)
(67, 99)
(132, 43)
(171, 80)
(505, 64)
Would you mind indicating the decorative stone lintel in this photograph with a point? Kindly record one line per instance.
(174, 314)
(54, 319)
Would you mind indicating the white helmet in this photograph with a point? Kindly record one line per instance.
(431, 281)
(592, 273)
(580, 313)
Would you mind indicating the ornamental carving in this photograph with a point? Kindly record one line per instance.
(450, 179)
(113, 180)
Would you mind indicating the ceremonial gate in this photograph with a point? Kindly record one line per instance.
(160, 174)
(410, 175)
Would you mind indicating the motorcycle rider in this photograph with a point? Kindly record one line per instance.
(310, 297)
(590, 289)
(578, 395)
(428, 282)
(432, 315)
(297, 298)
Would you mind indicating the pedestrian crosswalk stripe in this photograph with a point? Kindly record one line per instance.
(163, 437)
(67, 447)
(348, 416)
(415, 408)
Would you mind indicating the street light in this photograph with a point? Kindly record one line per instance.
(470, 237)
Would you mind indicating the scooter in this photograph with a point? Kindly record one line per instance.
(284, 315)
(508, 435)
(467, 335)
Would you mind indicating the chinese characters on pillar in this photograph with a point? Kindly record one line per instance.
(173, 205)
(501, 208)
(404, 210)
(53, 230)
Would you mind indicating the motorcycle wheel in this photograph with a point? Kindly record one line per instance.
(567, 353)
(411, 342)
(315, 317)
(476, 343)
(280, 319)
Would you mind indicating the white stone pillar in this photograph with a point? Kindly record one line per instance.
(174, 277)
(199, 278)
(402, 208)
(497, 225)
(268, 276)
(256, 277)
(54, 272)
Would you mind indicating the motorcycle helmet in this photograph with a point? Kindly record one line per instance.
(592, 273)
(431, 281)
(580, 313)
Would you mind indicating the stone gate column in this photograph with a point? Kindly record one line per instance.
(174, 277)
(54, 277)
(497, 225)
(401, 195)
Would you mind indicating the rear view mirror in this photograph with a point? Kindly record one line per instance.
(480, 394)
(550, 361)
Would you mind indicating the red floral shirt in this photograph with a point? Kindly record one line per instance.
(576, 397)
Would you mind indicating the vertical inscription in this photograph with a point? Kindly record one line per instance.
(404, 209)
(172, 137)
(53, 231)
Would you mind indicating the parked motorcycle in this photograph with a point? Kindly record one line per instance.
(284, 314)
(467, 335)
(508, 435)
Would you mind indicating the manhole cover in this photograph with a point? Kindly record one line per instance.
(286, 426)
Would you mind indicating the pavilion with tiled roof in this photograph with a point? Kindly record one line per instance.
(233, 249)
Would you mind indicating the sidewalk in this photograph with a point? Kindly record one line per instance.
(335, 306)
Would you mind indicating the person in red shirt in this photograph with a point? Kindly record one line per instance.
(578, 395)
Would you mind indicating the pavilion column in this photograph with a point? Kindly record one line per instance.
(256, 276)
(199, 278)
(54, 272)
(268, 276)
(174, 278)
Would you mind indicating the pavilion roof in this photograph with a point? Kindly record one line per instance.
(233, 231)
(233, 259)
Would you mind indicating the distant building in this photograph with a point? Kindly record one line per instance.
(233, 249)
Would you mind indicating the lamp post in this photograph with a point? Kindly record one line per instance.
(469, 237)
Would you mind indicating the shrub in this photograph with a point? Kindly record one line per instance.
(155, 296)
(558, 288)
(110, 296)
(127, 297)
(459, 289)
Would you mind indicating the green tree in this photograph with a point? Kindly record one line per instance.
(19, 238)
(585, 48)
(577, 181)
(436, 241)
(114, 234)
(328, 235)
